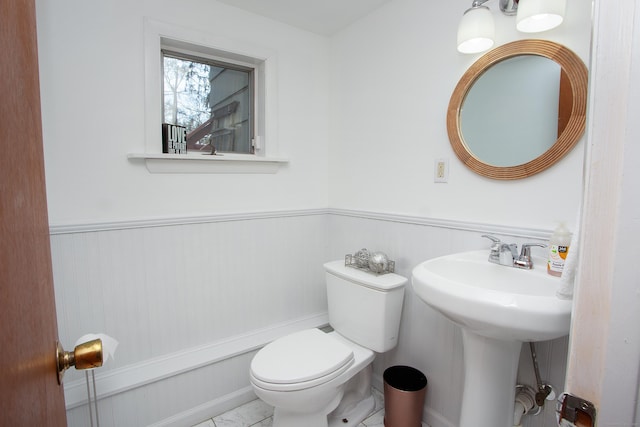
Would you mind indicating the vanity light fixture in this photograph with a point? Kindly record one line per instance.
(476, 31)
(535, 16)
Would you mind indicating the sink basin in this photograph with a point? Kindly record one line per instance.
(498, 308)
(493, 300)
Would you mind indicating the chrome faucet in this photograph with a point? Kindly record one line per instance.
(507, 254)
(501, 253)
(524, 260)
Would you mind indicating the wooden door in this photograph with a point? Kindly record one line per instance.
(29, 390)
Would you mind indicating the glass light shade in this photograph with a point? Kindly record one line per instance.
(476, 30)
(535, 16)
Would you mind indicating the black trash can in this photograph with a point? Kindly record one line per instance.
(404, 391)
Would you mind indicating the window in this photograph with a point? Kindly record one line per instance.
(212, 99)
(219, 67)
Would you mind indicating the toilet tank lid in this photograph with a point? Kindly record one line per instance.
(382, 282)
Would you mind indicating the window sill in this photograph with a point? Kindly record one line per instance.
(204, 163)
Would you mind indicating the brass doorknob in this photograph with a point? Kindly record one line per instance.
(85, 356)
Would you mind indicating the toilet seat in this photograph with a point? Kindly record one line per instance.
(300, 360)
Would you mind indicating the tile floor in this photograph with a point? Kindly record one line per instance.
(258, 414)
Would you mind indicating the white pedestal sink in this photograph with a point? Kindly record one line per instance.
(498, 308)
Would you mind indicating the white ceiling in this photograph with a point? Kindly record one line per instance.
(325, 17)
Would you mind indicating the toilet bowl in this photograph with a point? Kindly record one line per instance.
(311, 378)
(318, 379)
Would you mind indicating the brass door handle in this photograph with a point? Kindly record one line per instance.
(85, 356)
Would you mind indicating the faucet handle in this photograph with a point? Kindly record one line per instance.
(494, 255)
(495, 240)
(524, 260)
(525, 250)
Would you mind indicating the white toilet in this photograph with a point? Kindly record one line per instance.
(318, 379)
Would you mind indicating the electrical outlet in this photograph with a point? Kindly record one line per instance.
(441, 172)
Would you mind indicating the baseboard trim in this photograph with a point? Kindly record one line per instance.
(120, 380)
(209, 409)
(435, 419)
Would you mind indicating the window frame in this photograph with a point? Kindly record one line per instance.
(266, 158)
(211, 60)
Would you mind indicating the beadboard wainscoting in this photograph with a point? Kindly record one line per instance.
(428, 341)
(174, 294)
(190, 300)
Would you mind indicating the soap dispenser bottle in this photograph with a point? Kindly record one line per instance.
(558, 250)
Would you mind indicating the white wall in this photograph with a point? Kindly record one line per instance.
(92, 86)
(190, 272)
(361, 118)
(393, 75)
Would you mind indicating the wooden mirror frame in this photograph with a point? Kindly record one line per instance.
(576, 73)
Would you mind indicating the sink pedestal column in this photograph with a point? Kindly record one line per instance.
(490, 371)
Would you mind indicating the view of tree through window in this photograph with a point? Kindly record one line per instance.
(212, 100)
(186, 93)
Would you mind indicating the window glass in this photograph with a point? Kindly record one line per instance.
(212, 99)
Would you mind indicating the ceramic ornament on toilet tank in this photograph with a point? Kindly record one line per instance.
(174, 139)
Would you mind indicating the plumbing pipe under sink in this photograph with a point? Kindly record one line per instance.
(525, 402)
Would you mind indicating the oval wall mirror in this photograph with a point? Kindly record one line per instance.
(518, 109)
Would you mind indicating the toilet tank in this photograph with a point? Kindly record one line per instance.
(365, 307)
